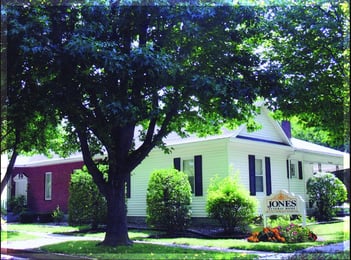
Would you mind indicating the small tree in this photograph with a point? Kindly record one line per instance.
(168, 200)
(326, 191)
(230, 203)
(86, 204)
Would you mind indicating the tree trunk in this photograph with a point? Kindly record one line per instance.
(10, 166)
(117, 226)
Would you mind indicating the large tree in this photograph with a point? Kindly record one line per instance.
(112, 68)
(124, 76)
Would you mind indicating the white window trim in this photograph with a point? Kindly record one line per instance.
(182, 169)
(48, 186)
(263, 175)
(293, 175)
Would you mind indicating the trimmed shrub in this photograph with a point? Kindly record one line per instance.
(168, 200)
(326, 191)
(86, 204)
(230, 204)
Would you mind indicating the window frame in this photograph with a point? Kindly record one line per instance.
(192, 176)
(261, 175)
(293, 169)
(48, 186)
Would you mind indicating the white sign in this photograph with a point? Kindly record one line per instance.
(283, 203)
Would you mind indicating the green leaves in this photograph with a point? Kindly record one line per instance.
(168, 200)
(309, 44)
(229, 203)
(90, 210)
(326, 191)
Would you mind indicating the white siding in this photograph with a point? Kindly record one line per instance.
(226, 154)
(239, 150)
(214, 162)
(269, 129)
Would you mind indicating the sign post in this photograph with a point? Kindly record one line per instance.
(283, 203)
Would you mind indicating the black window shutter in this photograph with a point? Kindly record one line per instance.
(287, 168)
(176, 163)
(198, 175)
(300, 170)
(252, 177)
(268, 176)
(128, 186)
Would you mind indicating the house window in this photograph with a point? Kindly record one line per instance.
(193, 168)
(188, 168)
(259, 175)
(48, 185)
(293, 169)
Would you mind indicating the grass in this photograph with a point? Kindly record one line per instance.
(139, 251)
(42, 228)
(319, 256)
(327, 233)
(15, 236)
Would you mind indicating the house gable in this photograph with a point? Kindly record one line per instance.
(270, 131)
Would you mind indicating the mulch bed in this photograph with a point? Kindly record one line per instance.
(203, 233)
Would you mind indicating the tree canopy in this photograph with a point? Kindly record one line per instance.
(29, 123)
(123, 76)
(311, 45)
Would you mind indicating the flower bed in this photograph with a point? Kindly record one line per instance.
(289, 234)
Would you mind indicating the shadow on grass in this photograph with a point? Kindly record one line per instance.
(138, 251)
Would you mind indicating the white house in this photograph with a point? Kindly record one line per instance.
(266, 160)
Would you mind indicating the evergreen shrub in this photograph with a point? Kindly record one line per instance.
(168, 200)
(86, 204)
(326, 191)
(230, 203)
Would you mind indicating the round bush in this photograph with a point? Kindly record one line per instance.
(326, 191)
(230, 204)
(86, 204)
(168, 200)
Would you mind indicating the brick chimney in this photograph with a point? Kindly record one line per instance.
(286, 128)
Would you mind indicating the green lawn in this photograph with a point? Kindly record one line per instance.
(327, 233)
(139, 251)
(15, 236)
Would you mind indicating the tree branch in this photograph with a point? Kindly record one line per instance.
(153, 139)
(90, 164)
(14, 155)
